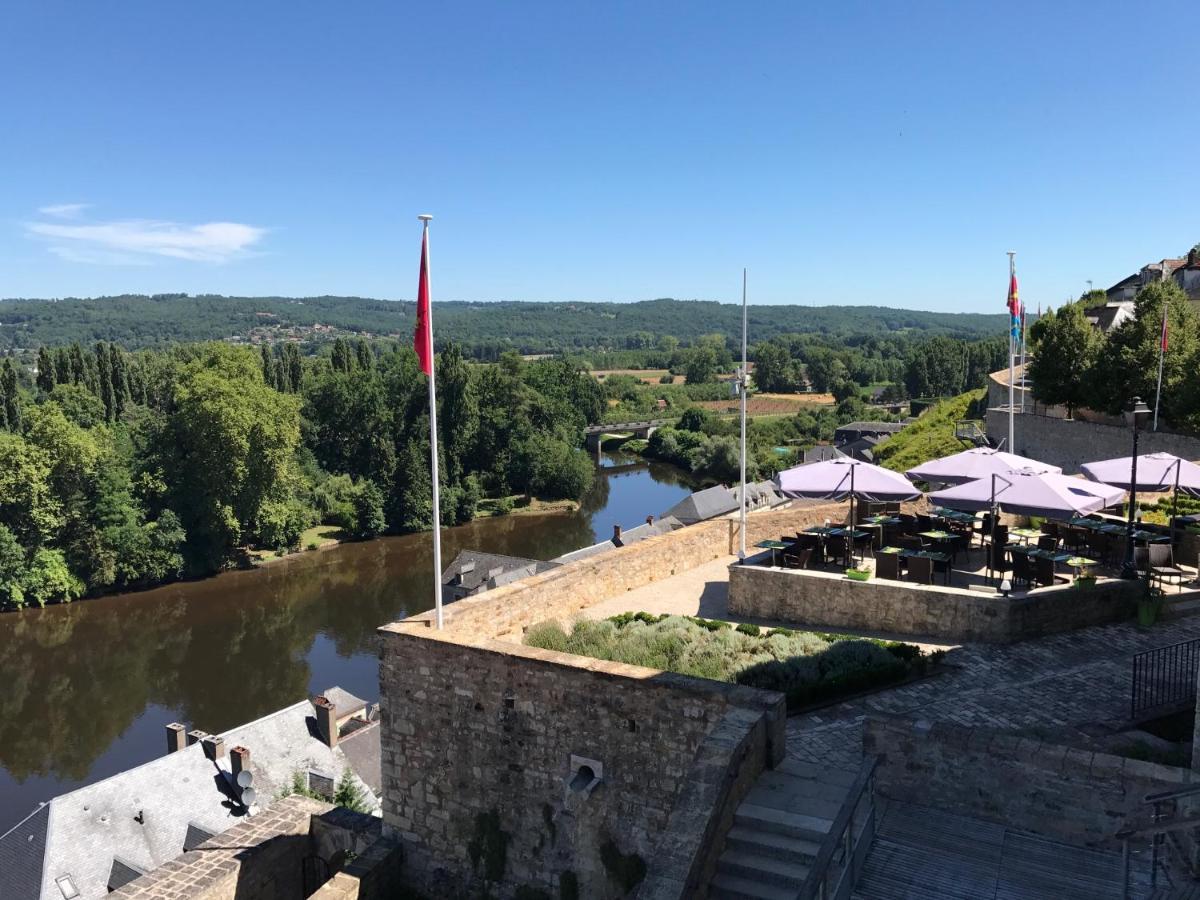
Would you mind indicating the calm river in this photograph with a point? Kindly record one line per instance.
(85, 689)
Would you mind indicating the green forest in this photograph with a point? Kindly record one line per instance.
(122, 469)
(481, 330)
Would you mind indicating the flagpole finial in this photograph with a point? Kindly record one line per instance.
(424, 217)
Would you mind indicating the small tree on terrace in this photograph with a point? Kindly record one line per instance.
(1068, 348)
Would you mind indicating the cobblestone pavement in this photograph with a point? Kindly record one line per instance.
(1065, 680)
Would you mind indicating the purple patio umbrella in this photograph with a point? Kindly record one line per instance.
(1155, 472)
(837, 479)
(1028, 493)
(978, 462)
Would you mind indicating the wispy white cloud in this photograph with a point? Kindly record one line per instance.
(139, 241)
(64, 210)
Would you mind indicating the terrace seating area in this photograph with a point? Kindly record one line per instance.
(966, 550)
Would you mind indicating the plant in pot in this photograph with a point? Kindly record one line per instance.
(1149, 606)
(858, 574)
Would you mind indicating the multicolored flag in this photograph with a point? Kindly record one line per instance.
(423, 336)
(1015, 310)
(1164, 329)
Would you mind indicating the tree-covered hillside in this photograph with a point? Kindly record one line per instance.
(484, 330)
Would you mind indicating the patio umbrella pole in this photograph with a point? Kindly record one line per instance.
(850, 536)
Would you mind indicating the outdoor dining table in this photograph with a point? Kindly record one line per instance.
(908, 553)
(1036, 553)
(839, 531)
(1025, 534)
(882, 520)
(773, 546)
(954, 515)
(940, 537)
(1148, 537)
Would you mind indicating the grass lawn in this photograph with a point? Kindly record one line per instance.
(807, 667)
(931, 436)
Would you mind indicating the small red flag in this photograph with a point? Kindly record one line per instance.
(423, 336)
(1014, 304)
(1164, 331)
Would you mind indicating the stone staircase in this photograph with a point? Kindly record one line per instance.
(777, 832)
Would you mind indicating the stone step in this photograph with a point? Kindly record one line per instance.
(776, 798)
(1180, 608)
(729, 887)
(802, 787)
(762, 868)
(839, 777)
(763, 818)
(779, 845)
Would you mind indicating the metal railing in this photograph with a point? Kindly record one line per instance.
(1164, 677)
(839, 861)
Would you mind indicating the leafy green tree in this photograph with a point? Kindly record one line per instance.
(28, 506)
(700, 365)
(48, 579)
(227, 450)
(363, 357)
(291, 373)
(696, 418)
(12, 570)
(45, 371)
(844, 390)
(410, 506)
(774, 370)
(936, 368)
(719, 458)
(350, 424)
(11, 397)
(1068, 349)
(342, 358)
(458, 409)
(1128, 360)
(368, 518)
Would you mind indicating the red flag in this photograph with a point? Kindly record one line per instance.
(1164, 330)
(1014, 305)
(423, 336)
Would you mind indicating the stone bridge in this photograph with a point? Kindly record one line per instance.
(593, 435)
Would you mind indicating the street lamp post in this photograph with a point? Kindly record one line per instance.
(1136, 416)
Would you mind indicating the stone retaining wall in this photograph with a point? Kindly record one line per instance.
(1072, 442)
(1063, 793)
(478, 741)
(562, 592)
(830, 600)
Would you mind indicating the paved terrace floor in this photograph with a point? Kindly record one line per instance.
(1052, 684)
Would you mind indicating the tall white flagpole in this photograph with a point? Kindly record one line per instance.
(433, 444)
(1162, 353)
(743, 379)
(1011, 353)
(1022, 360)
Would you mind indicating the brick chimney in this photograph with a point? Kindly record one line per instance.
(616, 538)
(214, 747)
(650, 520)
(195, 736)
(176, 737)
(326, 720)
(239, 760)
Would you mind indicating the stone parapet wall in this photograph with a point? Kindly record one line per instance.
(478, 742)
(375, 874)
(727, 764)
(562, 592)
(1070, 443)
(829, 600)
(1071, 795)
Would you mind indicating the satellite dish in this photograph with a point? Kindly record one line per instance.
(248, 797)
(245, 779)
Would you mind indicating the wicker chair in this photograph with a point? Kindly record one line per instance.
(920, 569)
(1162, 565)
(797, 557)
(1022, 569)
(887, 565)
(1044, 571)
(1048, 542)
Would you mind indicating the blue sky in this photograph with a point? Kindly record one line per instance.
(845, 152)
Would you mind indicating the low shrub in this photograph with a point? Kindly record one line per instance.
(807, 667)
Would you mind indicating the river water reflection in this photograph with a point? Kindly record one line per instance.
(85, 689)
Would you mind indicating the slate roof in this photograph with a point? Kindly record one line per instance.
(821, 453)
(22, 849)
(145, 816)
(706, 504)
(344, 702)
(661, 525)
(758, 494)
(478, 577)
